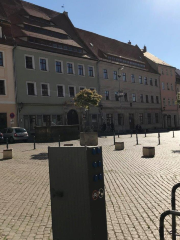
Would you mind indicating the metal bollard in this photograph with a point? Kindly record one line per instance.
(34, 143)
(159, 138)
(59, 140)
(145, 132)
(114, 138)
(118, 133)
(131, 133)
(173, 134)
(7, 143)
(136, 139)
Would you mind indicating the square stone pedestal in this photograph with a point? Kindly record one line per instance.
(148, 151)
(119, 145)
(7, 153)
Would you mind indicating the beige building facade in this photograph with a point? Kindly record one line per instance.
(168, 90)
(8, 116)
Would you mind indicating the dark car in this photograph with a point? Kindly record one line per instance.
(15, 134)
(1, 137)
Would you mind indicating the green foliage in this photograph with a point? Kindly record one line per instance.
(178, 98)
(87, 98)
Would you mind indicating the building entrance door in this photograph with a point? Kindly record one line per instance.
(72, 117)
(131, 120)
(3, 120)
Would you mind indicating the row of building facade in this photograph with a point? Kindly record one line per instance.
(45, 61)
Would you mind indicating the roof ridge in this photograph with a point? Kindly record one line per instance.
(106, 37)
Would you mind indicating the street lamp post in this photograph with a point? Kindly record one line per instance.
(119, 76)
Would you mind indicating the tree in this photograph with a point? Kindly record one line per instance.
(87, 98)
(178, 98)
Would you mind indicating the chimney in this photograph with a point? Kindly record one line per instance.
(144, 49)
(66, 13)
(129, 42)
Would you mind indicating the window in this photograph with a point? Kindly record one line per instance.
(132, 78)
(105, 74)
(156, 117)
(156, 82)
(124, 77)
(116, 96)
(151, 82)
(60, 91)
(31, 89)
(109, 119)
(168, 86)
(80, 70)
(134, 97)
(92, 88)
(91, 71)
(140, 79)
(29, 62)
(149, 118)
(125, 97)
(166, 71)
(152, 99)
(171, 87)
(57, 119)
(157, 99)
(45, 89)
(46, 120)
(69, 68)
(58, 67)
(169, 103)
(94, 117)
(115, 75)
(107, 95)
(1, 59)
(172, 102)
(71, 91)
(140, 118)
(145, 80)
(164, 102)
(163, 87)
(43, 64)
(81, 88)
(141, 97)
(147, 100)
(2, 87)
(120, 119)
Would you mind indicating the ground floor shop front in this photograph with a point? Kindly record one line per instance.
(8, 116)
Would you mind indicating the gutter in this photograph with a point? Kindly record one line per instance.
(15, 80)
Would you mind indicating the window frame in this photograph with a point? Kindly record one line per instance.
(33, 62)
(107, 95)
(150, 81)
(132, 78)
(141, 118)
(82, 87)
(115, 75)
(80, 64)
(152, 99)
(47, 65)
(124, 77)
(61, 85)
(145, 82)
(35, 88)
(48, 89)
(73, 70)
(3, 60)
(141, 98)
(157, 98)
(105, 74)
(133, 97)
(56, 60)
(147, 98)
(74, 90)
(140, 78)
(5, 89)
(156, 82)
(93, 71)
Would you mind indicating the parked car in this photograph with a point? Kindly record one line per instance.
(1, 137)
(15, 134)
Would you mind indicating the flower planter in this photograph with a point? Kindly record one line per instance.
(7, 154)
(119, 145)
(88, 139)
(148, 151)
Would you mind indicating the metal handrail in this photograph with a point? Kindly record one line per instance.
(173, 205)
(163, 215)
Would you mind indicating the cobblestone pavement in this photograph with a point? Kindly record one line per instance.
(138, 189)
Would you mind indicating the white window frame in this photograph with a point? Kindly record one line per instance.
(72, 68)
(83, 70)
(56, 60)
(33, 61)
(3, 60)
(5, 87)
(47, 65)
(62, 85)
(93, 71)
(48, 89)
(74, 90)
(132, 97)
(106, 73)
(141, 79)
(82, 87)
(35, 88)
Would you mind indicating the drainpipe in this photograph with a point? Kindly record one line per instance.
(98, 82)
(15, 81)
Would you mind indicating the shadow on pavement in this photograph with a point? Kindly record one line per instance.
(40, 156)
(175, 151)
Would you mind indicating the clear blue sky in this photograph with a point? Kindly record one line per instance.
(154, 23)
